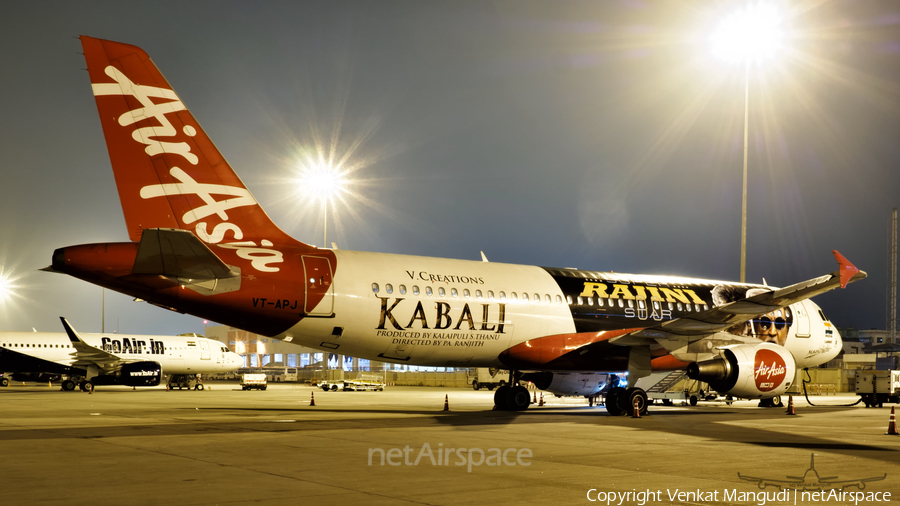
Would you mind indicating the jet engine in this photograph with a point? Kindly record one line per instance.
(134, 374)
(567, 383)
(752, 372)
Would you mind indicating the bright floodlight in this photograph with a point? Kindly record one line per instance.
(321, 182)
(7, 286)
(753, 33)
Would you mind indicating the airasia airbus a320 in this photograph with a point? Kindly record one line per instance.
(199, 243)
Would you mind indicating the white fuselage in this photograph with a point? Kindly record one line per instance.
(446, 312)
(175, 354)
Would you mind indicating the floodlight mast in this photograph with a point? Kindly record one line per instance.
(752, 33)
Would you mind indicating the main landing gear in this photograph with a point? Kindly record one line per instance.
(512, 396)
(69, 384)
(623, 401)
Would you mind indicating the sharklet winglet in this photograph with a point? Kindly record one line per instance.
(846, 269)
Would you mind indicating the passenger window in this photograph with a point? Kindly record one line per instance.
(441, 291)
(477, 294)
(537, 298)
(621, 303)
(454, 293)
(631, 304)
(428, 291)
(547, 298)
(467, 293)
(671, 306)
(389, 288)
(599, 302)
(525, 297)
(502, 295)
(559, 299)
(375, 287)
(580, 300)
(641, 304)
(415, 289)
(402, 289)
(514, 296)
(679, 307)
(491, 294)
(569, 299)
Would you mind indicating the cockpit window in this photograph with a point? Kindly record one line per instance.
(822, 316)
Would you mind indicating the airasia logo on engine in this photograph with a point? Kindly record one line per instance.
(769, 370)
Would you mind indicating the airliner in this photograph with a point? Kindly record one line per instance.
(199, 243)
(87, 360)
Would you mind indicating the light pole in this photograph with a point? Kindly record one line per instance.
(322, 181)
(750, 35)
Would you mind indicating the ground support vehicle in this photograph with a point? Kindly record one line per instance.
(253, 381)
(361, 383)
(182, 381)
(488, 378)
(878, 387)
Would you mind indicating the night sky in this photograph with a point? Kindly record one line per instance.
(597, 135)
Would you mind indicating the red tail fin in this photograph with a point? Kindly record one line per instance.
(169, 174)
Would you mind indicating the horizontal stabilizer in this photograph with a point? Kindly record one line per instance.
(178, 254)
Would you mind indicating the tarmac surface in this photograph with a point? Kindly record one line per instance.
(227, 446)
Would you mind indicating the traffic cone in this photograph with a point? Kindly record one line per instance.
(91, 389)
(892, 425)
(541, 402)
(312, 398)
(637, 409)
(790, 408)
(50, 384)
(535, 397)
(446, 403)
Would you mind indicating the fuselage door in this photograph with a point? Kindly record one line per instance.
(318, 286)
(802, 314)
(204, 350)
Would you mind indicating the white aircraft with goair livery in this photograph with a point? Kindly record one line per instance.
(199, 243)
(88, 360)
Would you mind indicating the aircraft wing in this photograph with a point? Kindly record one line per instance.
(722, 317)
(14, 361)
(859, 483)
(86, 354)
(764, 482)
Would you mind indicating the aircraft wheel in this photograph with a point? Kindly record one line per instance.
(4, 382)
(475, 385)
(68, 385)
(500, 398)
(262, 388)
(613, 397)
(86, 386)
(199, 387)
(693, 400)
(776, 402)
(518, 398)
(635, 396)
(334, 388)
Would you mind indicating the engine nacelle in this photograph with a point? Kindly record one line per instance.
(140, 374)
(748, 371)
(567, 383)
